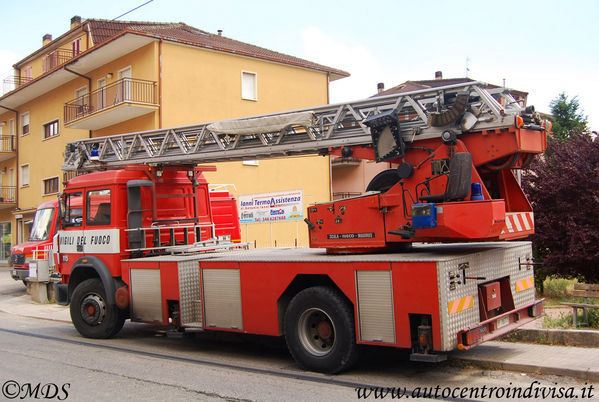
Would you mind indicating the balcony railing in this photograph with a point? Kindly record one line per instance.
(7, 143)
(346, 194)
(57, 58)
(7, 194)
(124, 90)
(11, 83)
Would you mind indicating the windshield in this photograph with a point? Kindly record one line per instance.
(40, 230)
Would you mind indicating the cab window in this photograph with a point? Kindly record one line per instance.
(73, 210)
(97, 207)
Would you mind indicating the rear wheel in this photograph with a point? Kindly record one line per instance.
(90, 313)
(319, 330)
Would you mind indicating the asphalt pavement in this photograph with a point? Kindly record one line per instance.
(571, 361)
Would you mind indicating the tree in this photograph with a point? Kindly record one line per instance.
(563, 187)
(567, 119)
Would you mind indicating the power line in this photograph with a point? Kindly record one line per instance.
(133, 9)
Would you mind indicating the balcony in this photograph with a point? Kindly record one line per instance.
(7, 147)
(124, 100)
(8, 197)
(11, 83)
(56, 58)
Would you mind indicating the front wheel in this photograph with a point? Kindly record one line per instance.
(320, 330)
(90, 313)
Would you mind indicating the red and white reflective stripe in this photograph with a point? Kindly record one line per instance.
(455, 306)
(524, 284)
(518, 222)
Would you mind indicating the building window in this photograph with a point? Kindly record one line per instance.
(249, 85)
(27, 73)
(51, 129)
(25, 124)
(76, 46)
(11, 127)
(25, 175)
(50, 185)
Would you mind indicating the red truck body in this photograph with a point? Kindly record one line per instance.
(45, 226)
(138, 262)
(144, 247)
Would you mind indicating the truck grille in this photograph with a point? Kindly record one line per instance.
(17, 259)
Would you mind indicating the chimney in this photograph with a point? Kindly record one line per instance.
(380, 87)
(75, 21)
(220, 32)
(438, 75)
(47, 38)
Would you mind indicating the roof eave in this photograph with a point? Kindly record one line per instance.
(45, 48)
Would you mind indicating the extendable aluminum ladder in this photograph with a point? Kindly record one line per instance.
(427, 113)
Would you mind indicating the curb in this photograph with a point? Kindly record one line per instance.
(37, 317)
(571, 337)
(530, 368)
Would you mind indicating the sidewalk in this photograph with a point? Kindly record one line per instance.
(25, 306)
(582, 363)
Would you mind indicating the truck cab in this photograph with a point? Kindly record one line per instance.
(126, 214)
(45, 224)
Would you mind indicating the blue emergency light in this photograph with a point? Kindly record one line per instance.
(424, 215)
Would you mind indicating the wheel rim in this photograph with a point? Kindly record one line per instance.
(316, 331)
(93, 309)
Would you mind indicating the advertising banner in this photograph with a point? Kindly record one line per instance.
(271, 207)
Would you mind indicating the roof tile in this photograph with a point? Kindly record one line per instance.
(103, 30)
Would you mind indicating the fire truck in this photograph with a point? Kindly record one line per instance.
(45, 224)
(419, 261)
(43, 229)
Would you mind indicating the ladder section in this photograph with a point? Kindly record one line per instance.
(422, 114)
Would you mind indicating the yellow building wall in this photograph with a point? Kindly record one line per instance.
(200, 85)
(197, 85)
(45, 156)
(8, 178)
(191, 94)
(37, 64)
(6, 203)
(308, 173)
(143, 63)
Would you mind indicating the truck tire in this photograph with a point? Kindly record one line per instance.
(320, 331)
(91, 316)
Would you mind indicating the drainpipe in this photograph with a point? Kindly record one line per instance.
(160, 84)
(328, 84)
(89, 80)
(89, 86)
(16, 144)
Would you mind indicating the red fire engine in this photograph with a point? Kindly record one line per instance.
(144, 247)
(45, 224)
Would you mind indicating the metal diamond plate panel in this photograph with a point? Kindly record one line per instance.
(190, 295)
(491, 264)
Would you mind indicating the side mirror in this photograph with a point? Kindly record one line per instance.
(61, 208)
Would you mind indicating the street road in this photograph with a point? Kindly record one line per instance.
(142, 363)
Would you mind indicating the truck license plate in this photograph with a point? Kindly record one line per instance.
(502, 322)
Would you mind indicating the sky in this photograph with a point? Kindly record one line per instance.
(540, 47)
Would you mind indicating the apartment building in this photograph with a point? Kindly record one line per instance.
(109, 77)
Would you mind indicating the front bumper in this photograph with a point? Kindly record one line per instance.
(19, 274)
